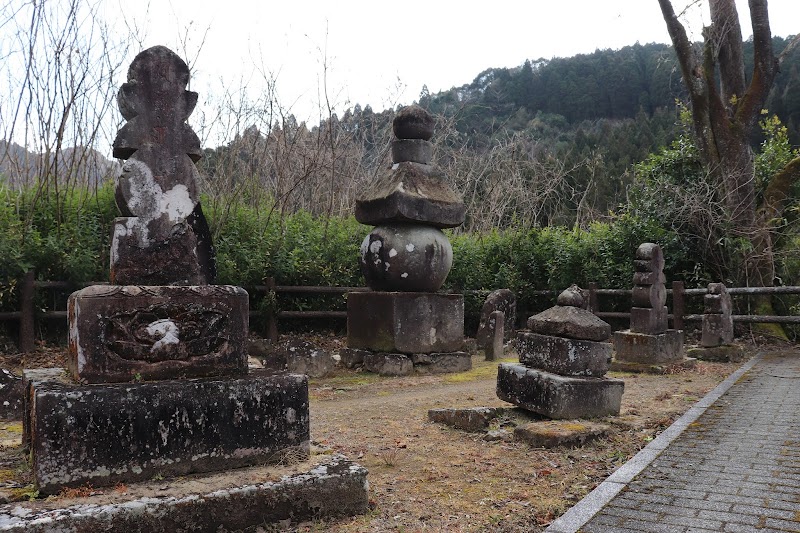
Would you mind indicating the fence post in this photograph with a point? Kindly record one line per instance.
(594, 303)
(272, 322)
(26, 328)
(678, 304)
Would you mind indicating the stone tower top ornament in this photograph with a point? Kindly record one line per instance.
(164, 229)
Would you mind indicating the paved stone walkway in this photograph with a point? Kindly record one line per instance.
(731, 464)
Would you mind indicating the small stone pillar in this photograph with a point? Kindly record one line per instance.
(564, 358)
(716, 341)
(648, 341)
(500, 300)
(496, 328)
(406, 259)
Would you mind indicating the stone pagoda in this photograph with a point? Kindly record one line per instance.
(716, 341)
(648, 341)
(126, 411)
(563, 361)
(403, 322)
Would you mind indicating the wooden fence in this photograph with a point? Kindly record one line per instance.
(27, 314)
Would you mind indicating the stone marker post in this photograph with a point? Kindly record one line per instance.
(496, 327)
(717, 319)
(404, 323)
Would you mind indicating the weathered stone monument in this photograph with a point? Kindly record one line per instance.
(403, 322)
(126, 411)
(563, 359)
(716, 341)
(649, 341)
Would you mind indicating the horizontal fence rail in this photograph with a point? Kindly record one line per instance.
(29, 285)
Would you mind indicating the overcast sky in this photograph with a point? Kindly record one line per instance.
(382, 53)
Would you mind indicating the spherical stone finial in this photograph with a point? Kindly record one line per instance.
(571, 297)
(413, 122)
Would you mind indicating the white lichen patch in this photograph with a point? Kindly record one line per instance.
(165, 331)
(404, 275)
(392, 252)
(410, 247)
(176, 203)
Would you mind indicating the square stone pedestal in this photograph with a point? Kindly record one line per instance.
(107, 434)
(121, 333)
(557, 396)
(667, 347)
(567, 357)
(405, 322)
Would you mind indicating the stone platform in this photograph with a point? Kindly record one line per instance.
(124, 332)
(559, 355)
(649, 349)
(405, 322)
(398, 364)
(113, 433)
(325, 486)
(559, 397)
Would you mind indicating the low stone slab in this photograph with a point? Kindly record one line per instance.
(732, 353)
(405, 322)
(107, 434)
(471, 419)
(568, 357)
(550, 434)
(632, 347)
(121, 333)
(569, 321)
(388, 364)
(327, 487)
(442, 363)
(645, 368)
(557, 396)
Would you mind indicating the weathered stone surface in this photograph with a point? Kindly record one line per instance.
(330, 487)
(550, 434)
(352, 358)
(267, 353)
(413, 122)
(406, 257)
(731, 353)
(717, 330)
(494, 349)
(649, 251)
(471, 419)
(112, 433)
(303, 357)
(718, 299)
(654, 296)
(568, 321)
(158, 183)
(119, 333)
(559, 397)
(10, 395)
(442, 363)
(413, 150)
(567, 357)
(405, 322)
(633, 347)
(648, 278)
(388, 364)
(411, 192)
(648, 320)
(671, 367)
(499, 300)
(494, 435)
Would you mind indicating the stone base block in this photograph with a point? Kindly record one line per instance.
(471, 419)
(557, 396)
(631, 347)
(121, 333)
(732, 353)
(687, 363)
(649, 320)
(550, 434)
(325, 487)
(717, 330)
(107, 434)
(388, 364)
(559, 355)
(405, 322)
(442, 363)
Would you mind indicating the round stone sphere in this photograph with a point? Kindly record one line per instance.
(406, 258)
(413, 122)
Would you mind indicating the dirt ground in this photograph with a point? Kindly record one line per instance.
(429, 477)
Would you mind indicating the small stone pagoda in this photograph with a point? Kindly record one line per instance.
(564, 359)
(126, 411)
(716, 341)
(403, 322)
(648, 341)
